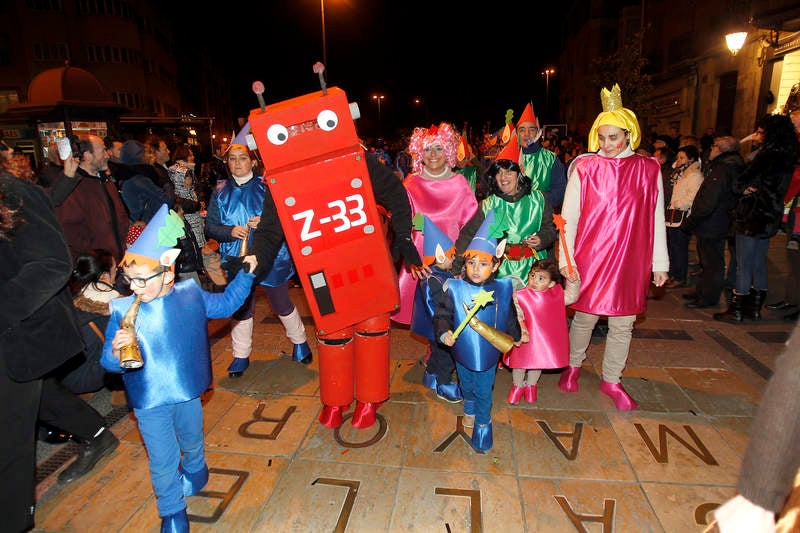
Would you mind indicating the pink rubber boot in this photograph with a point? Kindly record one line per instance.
(530, 393)
(515, 394)
(621, 398)
(568, 382)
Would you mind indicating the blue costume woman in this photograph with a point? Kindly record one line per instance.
(234, 210)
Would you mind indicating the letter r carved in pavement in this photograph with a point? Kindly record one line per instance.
(244, 429)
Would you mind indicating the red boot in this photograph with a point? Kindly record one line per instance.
(364, 414)
(331, 415)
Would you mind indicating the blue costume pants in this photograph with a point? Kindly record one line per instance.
(477, 387)
(169, 431)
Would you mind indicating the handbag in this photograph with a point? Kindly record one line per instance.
(674, 217)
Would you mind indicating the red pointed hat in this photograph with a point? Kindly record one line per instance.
(511, 150)
(528, 116)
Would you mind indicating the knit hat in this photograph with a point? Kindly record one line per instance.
(614, 114)
(511, 150)
(443, 134)
(485, 241)
(436, 245)
(156, 245)
(131, 153)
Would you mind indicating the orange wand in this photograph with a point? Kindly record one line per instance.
(560, 222)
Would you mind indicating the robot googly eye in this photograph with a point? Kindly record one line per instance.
(327, 120)
(277, 134)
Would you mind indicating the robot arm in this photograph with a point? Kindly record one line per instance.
(390, 193)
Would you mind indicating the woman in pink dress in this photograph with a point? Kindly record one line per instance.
(441, 194)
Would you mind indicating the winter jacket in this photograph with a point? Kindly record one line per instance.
(38, 329)
(710, 216)
(759, 213)
(92, 213)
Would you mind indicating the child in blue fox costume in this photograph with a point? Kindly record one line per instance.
(172, 333)
(477, 358)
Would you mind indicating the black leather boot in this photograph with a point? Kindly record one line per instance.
(728, 295)
(753, 310)
(734, 314)
(89, 453)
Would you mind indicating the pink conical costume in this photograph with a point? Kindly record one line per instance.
(450, 204)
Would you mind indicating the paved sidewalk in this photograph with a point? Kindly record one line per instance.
(568, 462)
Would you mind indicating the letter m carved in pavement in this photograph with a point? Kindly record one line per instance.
(661, 454)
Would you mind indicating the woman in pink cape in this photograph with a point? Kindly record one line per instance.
(614, 212)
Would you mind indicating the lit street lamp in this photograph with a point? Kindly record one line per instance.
(378, 98)
(549, 71)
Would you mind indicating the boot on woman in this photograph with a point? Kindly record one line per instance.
(753, 310)
(735, 312)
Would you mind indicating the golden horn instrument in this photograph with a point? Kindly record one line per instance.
(129, 355)
(243, 248)
(502, 341)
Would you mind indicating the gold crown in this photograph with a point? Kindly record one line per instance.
(612, 100)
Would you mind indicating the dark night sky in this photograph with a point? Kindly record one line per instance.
(464, 64)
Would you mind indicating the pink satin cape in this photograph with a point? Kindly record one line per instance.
(546, 321)
(450, 204)
(614, 238)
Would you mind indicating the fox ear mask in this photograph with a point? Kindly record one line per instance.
(440, 255)
(501, 248)
(169, 256)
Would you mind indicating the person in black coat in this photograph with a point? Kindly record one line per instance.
(709, 219)
(758, 212)
(38, 333)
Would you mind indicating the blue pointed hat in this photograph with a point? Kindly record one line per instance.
(435, 240)
(485, 240)
(156, 246)
(244, 137)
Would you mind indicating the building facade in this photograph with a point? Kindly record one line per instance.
(697, 83)
(128, 45)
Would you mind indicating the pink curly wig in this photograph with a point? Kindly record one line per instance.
(422, 138)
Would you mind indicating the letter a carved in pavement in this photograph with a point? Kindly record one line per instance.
(553, 436)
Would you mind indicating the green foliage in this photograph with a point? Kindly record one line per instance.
(625, 67)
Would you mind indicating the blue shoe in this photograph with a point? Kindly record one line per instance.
(238, 366)
(193, 482)
(429, 380)
(175, 523)
(449, 392)
(302, 353)
(482, 437)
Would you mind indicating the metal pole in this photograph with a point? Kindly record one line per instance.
(547, 88)
(324, 48)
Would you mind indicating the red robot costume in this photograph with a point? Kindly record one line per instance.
(323, 195)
